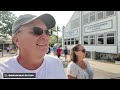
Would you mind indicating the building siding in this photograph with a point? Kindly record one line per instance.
(106, 25)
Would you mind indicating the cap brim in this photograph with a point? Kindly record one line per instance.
(48, 20)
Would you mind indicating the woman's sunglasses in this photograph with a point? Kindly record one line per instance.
(39, 31)
(82, 50)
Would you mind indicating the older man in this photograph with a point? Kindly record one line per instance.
(31, 37)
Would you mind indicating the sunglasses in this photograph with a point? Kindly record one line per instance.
(82, 50)
(39, 31)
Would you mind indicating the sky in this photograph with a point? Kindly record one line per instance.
(61, 17)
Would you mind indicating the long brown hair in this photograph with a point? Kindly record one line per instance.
(73, 56)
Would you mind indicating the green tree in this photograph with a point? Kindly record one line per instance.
(60, 41)
(54, 37)
(52, 40)
(7, 19)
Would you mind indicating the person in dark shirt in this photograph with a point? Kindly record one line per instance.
(65, 53)
(49, 50)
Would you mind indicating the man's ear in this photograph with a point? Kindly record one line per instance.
(15, 40)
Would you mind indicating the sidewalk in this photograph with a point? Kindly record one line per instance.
(109, 67)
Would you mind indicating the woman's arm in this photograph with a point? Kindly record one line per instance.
(89, 70)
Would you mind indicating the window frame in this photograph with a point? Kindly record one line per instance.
(85, 39)
(84, 17)
(101, 37)
(98, 13)
(111, 36)
(73, 41)
(91, 39)
(92, 14)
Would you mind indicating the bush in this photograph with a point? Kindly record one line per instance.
(117, 58)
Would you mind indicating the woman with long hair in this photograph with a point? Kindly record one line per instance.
(78, 68)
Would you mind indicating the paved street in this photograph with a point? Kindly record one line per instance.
(102, 70)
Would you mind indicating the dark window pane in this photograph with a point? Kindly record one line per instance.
(92, 41)
(100, 35)
(100, 41)
(72, 38)
(110, 40)
(85, 42)
(65, 43)
(68, 42)
(72, 42)
(76, 42)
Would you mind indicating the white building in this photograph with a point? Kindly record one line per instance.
(97, 31)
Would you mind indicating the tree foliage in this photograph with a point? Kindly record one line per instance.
(54, 37)
(55, 29)
(52, 40)
(7, 19)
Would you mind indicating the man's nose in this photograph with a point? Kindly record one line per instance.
(44, 36)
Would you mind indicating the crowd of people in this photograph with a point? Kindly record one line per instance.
(57, 51)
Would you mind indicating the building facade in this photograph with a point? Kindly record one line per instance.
(97, 31)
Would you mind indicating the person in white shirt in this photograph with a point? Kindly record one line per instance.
(31, 34)
(79, 68)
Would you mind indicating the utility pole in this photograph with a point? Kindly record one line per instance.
(3, 48)
(57, 35)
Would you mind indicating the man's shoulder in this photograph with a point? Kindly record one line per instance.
(6, 65)
(55, 67)
(7, 62)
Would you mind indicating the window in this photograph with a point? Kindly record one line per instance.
(77, 40)
(72, 41)
(65, 42)
(85, 40)
(100, 39)
(68, 41)
(109, 13)
(85, 19)
(92, 16)
(100, 15)
(75, 23)
(92, 39)
(110, 38)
